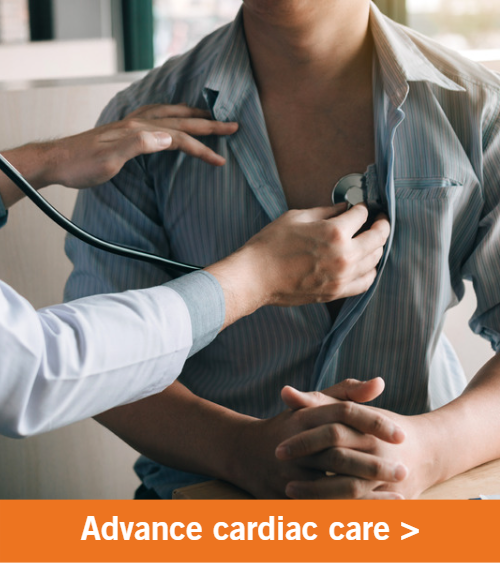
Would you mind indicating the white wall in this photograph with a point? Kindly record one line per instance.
(83, 460)
(58, 59)
(472, 350)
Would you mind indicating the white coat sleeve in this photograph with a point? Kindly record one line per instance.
(69, 362)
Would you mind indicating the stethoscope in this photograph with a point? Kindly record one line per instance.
(174, 268)
(348, 189)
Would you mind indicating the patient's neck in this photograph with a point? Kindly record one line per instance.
(310, 49)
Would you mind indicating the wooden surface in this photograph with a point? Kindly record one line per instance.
(482, 480)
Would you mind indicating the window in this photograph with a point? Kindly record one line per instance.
(466, 25)
(463, 25)
(180, 24)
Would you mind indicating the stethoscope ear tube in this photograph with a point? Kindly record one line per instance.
(174, 268)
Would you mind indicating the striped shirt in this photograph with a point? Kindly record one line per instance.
(437, 176)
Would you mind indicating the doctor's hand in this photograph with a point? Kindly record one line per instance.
(355, 458)
(97, 155)
(264, 475)
(304, 256)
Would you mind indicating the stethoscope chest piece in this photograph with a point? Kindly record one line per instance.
(349, 189)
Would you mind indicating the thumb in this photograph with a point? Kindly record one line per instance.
(322, 213)
(355, 390)
(347, 390)
(295, 399)
(145, 142)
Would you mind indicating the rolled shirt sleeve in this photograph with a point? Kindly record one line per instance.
(204, 298)
(483, 265)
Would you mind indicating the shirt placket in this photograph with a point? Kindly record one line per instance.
(251, 148)
(353, 308)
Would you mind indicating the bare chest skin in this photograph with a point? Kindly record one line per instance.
(313, 149)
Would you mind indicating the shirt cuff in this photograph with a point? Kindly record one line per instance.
(204, 299)
(3, 213)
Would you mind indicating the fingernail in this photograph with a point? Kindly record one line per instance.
(282, 452)
(163, 139)
(400, 472)
(398, 434)
(291, 490)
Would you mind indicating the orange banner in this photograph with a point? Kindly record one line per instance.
(201, 530)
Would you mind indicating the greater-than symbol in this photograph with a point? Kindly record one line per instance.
(413, 531)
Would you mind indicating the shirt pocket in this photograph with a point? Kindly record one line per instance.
(425, 188)
(425, 219)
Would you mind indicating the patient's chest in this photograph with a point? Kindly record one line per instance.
(314, 149)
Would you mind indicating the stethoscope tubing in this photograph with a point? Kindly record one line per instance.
(174, 268)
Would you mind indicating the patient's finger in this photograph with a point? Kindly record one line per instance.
(295, 399)
(327, 436)
(347, 390)
(360, 417)
(346, 461)
(337, 487)
(357, 391)
(383, 495)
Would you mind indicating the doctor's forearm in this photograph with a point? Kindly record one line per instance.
(34, 161)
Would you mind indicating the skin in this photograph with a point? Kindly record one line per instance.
(290, 35)
(219, 442)
(306, 240)
(306, 248)
(216, 441)
(95, 156)
(315, 258)
(312, 65)
(438, 444)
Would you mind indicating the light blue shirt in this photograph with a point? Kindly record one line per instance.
(437, 176)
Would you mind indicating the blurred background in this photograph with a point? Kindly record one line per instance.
(109, 36)
(61, 61)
